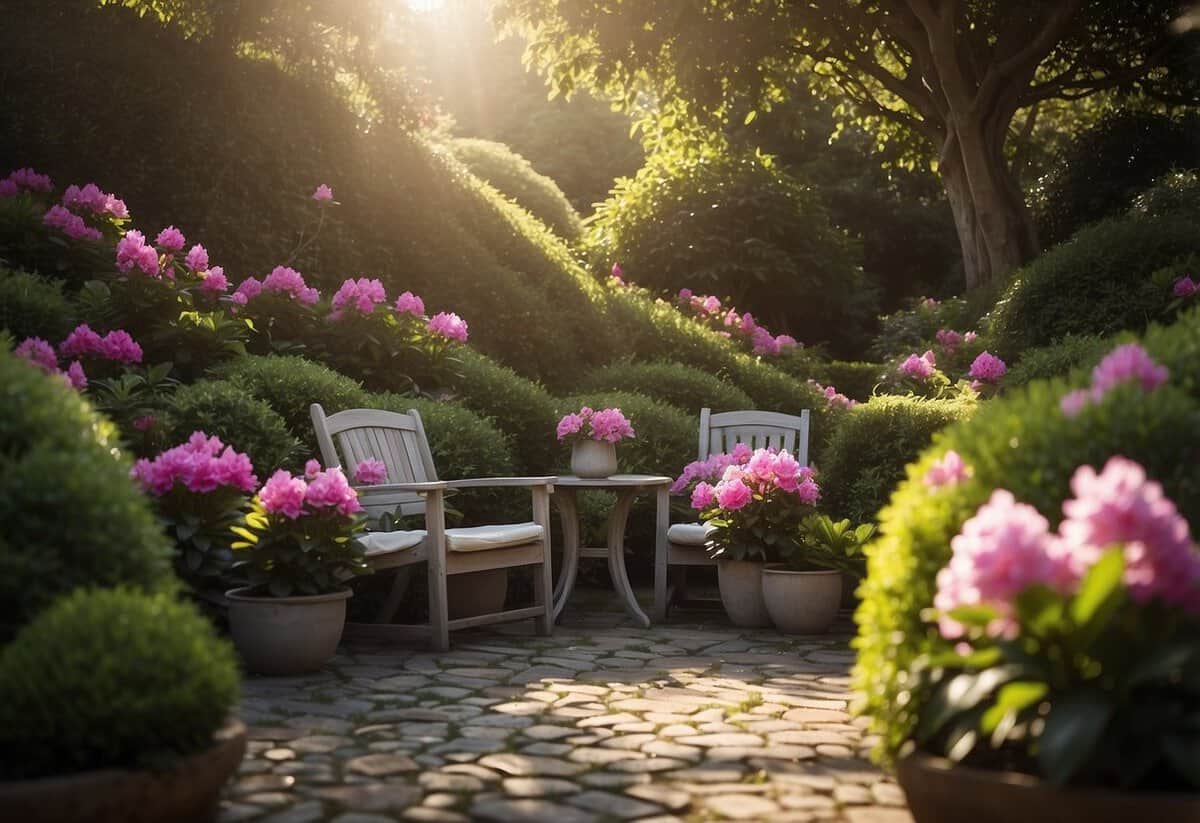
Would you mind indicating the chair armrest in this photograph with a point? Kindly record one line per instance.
(387, 488)
(484, 482)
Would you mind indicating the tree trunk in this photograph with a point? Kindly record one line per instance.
(995, 230)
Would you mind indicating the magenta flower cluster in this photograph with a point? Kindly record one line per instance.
(987, 368)
(318, 493)
(710, 469)
(1124, 364)
(117, 346)
(370, 472)
(919, 367)
(950, 470)
(134, 252)
(70, 224)
(201, 465)
(449, 325)
(607, 425)
(833, 398)
(760, 475)
(730, 323)
(283, 281)
(1185, 288)
(37, 352)
(323, 194)
(950, 340)
(1008, 546)
(20, 180)
(361, 296)
(92, 199)
(409, 303)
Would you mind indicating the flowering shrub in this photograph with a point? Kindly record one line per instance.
(37, 352)
(1124, 364)
(755, 506)
(200, 489)
(607, 425)
(299, 537)
(925, 322)
(1066, 638)
(833, 398)
(729, 323)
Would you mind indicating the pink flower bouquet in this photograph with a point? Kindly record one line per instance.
(605, 425)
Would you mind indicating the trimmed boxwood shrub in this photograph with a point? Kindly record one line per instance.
(112, 678)
(865, 458)
(1058, 359)
(683, 386)
(855, 379)
(32, 306)
(1174, 193)
(289, 385)
(227, 410)
(514, 177)
(69, 514)
(1097, 283)
(1021, 442)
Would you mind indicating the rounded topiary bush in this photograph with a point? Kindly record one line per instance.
(227, 410)
(513, 176)
(688, 388)
(1024, 443)
(1058, 359)
(1174, 193)
(69, 514)
(112, 678)
(289, 385)
(1098, 283)
(32, 306)
(865, 458)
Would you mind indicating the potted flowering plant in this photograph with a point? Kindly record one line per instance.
(298, 546)
(1076, 661)
(593, 436)
(200, 489)
(753, 513)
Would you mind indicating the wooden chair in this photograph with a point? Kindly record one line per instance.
(720, 433)
(413, 488)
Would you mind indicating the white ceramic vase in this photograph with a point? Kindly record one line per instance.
(593, 458)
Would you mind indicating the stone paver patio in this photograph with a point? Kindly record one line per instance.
(603, 721)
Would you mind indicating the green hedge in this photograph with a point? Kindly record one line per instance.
(688, 388)
(112, 679)
(1097, 283)
(855, 379)
(1175, 193)
(1058, 359)
(865, 458)
(32, 306)
(1021, 442)
(227, 410)
(69, 514)
(513, 176)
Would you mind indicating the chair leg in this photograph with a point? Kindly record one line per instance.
(391, 603)
(678, 589)
(662, 552)
(660, 586)
(543, 578)
(439, 609)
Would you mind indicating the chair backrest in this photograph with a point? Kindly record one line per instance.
(398, 440)
(757, 429)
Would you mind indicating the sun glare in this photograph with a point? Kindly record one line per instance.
(424, 5)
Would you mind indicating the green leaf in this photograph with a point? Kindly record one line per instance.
(185, 531)
(1012, 699)
(1101, 585)
(245, 534)
(973, 615)
(963, 693)
(1075, 724)
(750, 117)
(1164, 663)
(1040, 610)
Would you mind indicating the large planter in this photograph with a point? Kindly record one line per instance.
(939, 791)
(740, 582)
(801, 602)
(286, 635)
(475, 593)
(593, 458)
(188, 792)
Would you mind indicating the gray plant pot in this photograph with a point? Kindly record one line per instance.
(593, 458)
(801, 602)
(740, 583)
(286, 635)
(476, 593)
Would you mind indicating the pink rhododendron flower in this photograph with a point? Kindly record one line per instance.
(38, 352)
(930, 303)
(81, 342)
(370, 472)
(1072, 403)
(214, 281)
(72, 225)
(201, 465)
(949, 471)
(311, 469)
(1125, 363)
(570, 424)
(285, 280)
(309, 296)
(685, 294)
(449, 325)
(733, 494)
(808, 491)
(359, 295)
(970, 337)
(8, 188)
(1121, 506)
(919, 368)
(30, 180)
(197, 258)
(949, 339)
(120, 346)
(330, 489)
(170, 240)
(90, 197)
(132, 252)
(1005, 548)
(703, 496)
(610, 425)
(145, 422)
(987, 368)
(76, 376)
(1185, 287)
(283, 494)
(618, 273)
(409, 303)
(833, 398)
(323, 194)
(247, 290)
(710, 304)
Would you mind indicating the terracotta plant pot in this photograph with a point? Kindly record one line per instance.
(188, 792)
(740, 582)
(939, 791)
(593, 458)
(476, 593)
(801, 602)
(286, 635)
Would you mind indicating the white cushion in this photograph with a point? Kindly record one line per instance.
(482, 538)
(690, 534)
(378, 543)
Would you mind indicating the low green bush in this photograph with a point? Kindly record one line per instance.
(1174, 193)
(1057, 359)
(32, 306)
(1099, 282)
(865, 458)
(855, 379)
(289, 385)
(112, 678)
(69, 514)
(688, 388)
(1021, 442)
(229, 411)
(513, 176)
